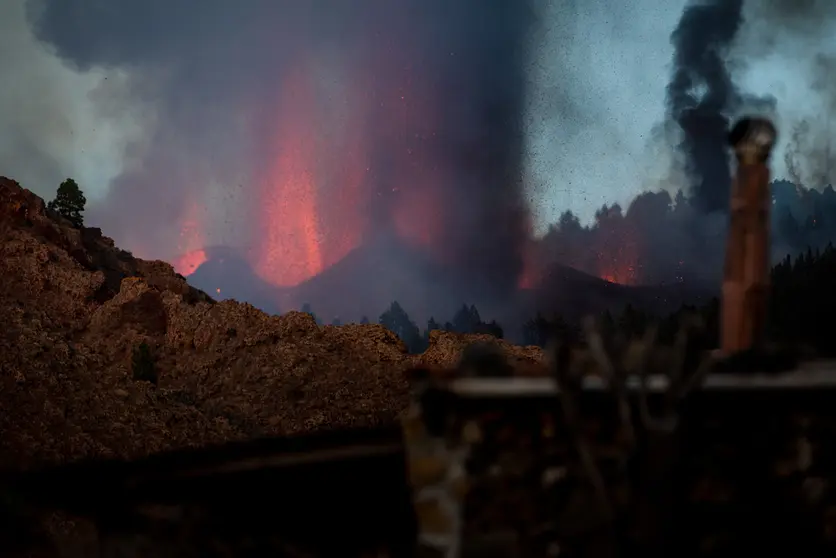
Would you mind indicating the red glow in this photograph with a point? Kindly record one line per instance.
(187, 263)
(345, 190)
(617, 263)
(311, 198)
(191, 240)
(620, 273)
(531, 273)
(417, 211)
(289, 242)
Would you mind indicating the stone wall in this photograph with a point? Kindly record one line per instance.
(747, 465)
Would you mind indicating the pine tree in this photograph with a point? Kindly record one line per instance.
(396, 320)
(69, 202)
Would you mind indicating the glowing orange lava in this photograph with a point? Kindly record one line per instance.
(623, 274)
(618, 264)
(289, 250)
(191, 241)
(532, 272)
(188, 263)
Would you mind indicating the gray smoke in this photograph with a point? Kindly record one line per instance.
(212, 70)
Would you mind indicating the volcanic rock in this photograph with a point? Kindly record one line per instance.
(448, 351)
(75, 310)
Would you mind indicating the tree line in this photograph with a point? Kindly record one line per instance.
(660, 238)
(801, 309)
(465, 320)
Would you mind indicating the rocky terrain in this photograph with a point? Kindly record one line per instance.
(76, 310)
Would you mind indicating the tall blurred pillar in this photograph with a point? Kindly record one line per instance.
(746, 275)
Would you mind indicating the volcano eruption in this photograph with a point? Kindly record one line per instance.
(360, 154)
(337, 126)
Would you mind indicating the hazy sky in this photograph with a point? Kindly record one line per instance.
(615, 77)
(595, 106)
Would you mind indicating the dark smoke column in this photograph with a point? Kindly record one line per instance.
(474, 53)
(701, 93)
(746, 280)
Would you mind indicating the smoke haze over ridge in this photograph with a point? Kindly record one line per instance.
(570, 96)
(431, 90)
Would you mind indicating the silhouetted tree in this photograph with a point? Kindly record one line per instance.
(466, 319)
(364, 320)
(491, 328)
(803, 300)
(632, 321)
(538, 330)
(396, 320)
(432, 325)
(69, 202)
(607, 322)
(306, 308)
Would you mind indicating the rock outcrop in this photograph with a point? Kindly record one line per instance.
(75, 309)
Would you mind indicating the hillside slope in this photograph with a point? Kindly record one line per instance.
(75, 308)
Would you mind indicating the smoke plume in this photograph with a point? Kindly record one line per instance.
(658, 239)
(302, 129)
(701, 94)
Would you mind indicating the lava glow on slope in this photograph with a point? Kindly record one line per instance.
(312, 199)
(191, 241)
(187, 263)
(618, 264)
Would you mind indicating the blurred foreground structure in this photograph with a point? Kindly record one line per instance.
(521, 466)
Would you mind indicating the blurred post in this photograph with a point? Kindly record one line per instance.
(746, 274)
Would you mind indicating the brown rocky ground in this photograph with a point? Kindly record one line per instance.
(74, 309)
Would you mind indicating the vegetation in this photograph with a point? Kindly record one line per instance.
(142, 363)
(672, 231)
(802, 296)
(396, 320)
(69, 202)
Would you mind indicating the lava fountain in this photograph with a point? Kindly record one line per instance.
(288, 246)
(315, 198)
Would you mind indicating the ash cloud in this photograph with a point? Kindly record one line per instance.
(211, 72)
(701, 94)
